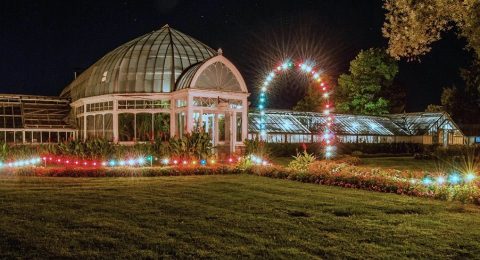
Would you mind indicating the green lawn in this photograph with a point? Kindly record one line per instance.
(225, 216)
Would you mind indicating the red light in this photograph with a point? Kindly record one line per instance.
(58, 160)
(230, 160)
(76, 162)
(94, 164)
(67, 161)
(85, 163)
(322, 84)
(44, 158)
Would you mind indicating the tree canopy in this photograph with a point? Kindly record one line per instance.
(411, 26)
(363, 90)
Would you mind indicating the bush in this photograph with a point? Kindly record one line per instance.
(351, 160)
(118, 171)
(256, 147)
(302, 161)
(381, 180)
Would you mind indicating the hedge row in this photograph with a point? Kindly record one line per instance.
(119, 171)
(387, 181)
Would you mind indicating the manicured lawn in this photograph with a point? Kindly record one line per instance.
(403, 163)
(225, 216)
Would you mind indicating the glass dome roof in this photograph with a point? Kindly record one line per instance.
(148, 64)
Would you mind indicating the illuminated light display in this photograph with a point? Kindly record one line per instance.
(133, 162)
(454, 178)
(310, 71)
(469, 177)
(427, 181)
(21, 163)
(129, 162)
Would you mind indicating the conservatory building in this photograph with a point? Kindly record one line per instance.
(160, 85)
(165, 84)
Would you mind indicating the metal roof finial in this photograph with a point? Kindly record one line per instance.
(220, 51)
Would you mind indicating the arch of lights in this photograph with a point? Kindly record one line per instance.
(309, 70)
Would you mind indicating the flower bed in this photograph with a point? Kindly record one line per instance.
(118, 171)
(389, 181)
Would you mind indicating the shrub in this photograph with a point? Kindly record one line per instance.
(302, 161)
(191, 145)
(256, 147)
(351, 160)
(381, 180)
(118, 171)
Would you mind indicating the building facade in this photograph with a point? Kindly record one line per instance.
(166, 83)
(160, 85)
(285, 126)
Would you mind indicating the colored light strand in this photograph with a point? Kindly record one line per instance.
(450, 179)
(128, 162)
(21, 163)
(76, 162)
(327, 136)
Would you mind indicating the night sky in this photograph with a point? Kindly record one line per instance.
(43, 42)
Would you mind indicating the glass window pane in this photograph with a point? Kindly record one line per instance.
(37, 138)
(63, 137)
(126, 126)
(221, 127)
(53, 137)
(28, 137)
(143, 123)
(45, 137)
(239, 127)
(180, 124)
(99, 126)
(10, 137)
(90, 126)
(108, 126)
(161, 124)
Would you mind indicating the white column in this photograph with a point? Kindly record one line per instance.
(189, 115)
(232, 131)
(172, 117)
(244, 119)
(84, 125)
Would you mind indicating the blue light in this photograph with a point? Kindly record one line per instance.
(469, 177)
(454, 178)
(440, 180)
(141, 160)
(260, 106)
(203, 162)
(427, 181)
(111, 163)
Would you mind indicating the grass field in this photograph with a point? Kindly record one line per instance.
(225, 216)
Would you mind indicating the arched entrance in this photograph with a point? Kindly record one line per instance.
(308, 69)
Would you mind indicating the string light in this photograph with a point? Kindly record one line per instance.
(21, 163)
(140, 161)
(314, 74)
